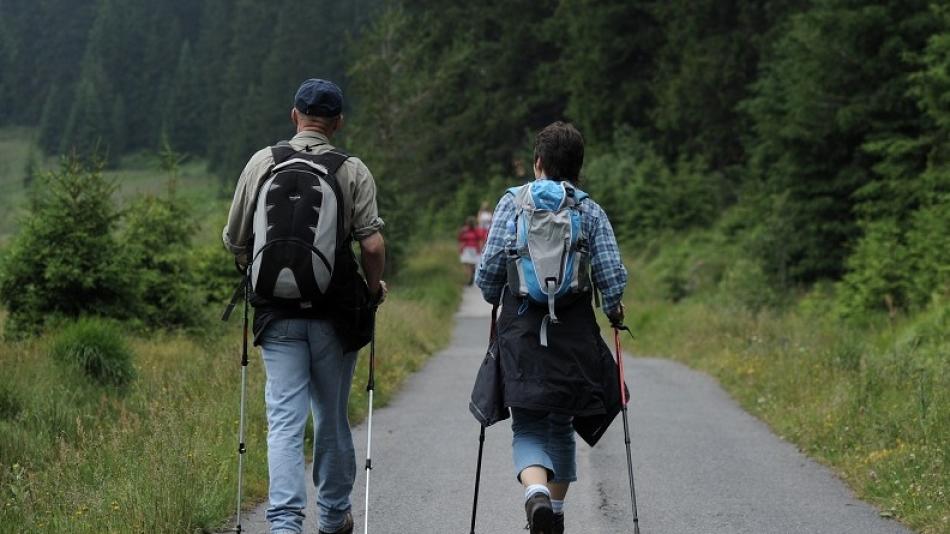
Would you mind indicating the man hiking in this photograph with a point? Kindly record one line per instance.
(296, 210)
(557, 373)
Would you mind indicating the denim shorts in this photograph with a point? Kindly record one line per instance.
(545, 440)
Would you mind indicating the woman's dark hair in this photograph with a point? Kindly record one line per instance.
(560, 147)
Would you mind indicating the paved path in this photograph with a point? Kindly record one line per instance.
(702, 465)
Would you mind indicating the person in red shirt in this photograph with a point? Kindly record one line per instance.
(470, 241)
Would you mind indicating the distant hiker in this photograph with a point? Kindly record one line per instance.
(556, 374)
(297, 208)
(470, 245)
(484, 216)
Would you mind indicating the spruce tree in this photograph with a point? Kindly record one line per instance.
(185, 108)
(51, 121)
(89, 129)
(606, 80)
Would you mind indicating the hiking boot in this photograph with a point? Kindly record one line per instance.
(540, 514)
(347, 527)
(558, 526)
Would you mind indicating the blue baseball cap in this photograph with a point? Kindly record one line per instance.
(319, 98)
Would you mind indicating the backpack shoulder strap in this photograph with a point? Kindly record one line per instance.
(332, 160)
(281, 152)
(521, 195)
(574, 195)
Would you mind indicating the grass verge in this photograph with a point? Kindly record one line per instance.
(872, 401)
(159, 455)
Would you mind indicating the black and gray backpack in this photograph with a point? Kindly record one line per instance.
(298, 228)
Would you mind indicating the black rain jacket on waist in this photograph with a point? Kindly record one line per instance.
(574, 375)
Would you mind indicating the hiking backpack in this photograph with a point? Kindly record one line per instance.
(298, 228)
(548, 252)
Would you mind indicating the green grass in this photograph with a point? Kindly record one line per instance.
(871, 401)
(159, 456)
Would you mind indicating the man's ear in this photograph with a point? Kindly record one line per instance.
(339, 122)
(538, 169)
(293, 116)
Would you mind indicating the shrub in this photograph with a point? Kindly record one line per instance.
(157, 239)
(65, 260)
(900, 269)
(645, 196)
(216, 274)
(877, 270)
(928, 247)
(744, 283)
(97, 347)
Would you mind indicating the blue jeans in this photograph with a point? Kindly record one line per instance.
(307, 370)
(544, 440)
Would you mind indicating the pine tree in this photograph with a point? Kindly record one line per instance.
(606, 79)
(211, 53)
(185, 110)
(89, 129)
(240, 111)
(7, 50)
(50, 125)
(710, 57)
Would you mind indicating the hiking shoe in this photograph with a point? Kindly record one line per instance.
(347, 527)
(558, 526)
(540, 514)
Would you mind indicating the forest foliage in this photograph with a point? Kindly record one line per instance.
(817, 131)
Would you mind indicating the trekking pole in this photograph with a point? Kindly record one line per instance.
(478, 474)
(626, 427)
(481, 433)
(241, 448)
(370, 385)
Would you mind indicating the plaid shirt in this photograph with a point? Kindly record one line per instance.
(606, 267)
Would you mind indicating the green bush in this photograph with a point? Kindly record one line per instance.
(875, 280)
(65, 261)
(928, 247)
(215, 272)
(98, 348)
(157, 239)
(744, 283)
(645, 196)
(899, 267)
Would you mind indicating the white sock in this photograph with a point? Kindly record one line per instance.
(536, 488)
(558, 506)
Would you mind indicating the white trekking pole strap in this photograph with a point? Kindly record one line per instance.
(551, 290)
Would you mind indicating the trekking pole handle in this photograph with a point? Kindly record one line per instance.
(247, 298)
(619, 351)
(371, 383)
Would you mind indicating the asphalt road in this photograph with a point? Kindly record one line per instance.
(702, 465)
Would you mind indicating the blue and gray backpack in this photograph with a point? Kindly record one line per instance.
(548, 252)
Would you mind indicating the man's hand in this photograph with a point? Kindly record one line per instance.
(616, 316)
(379, 296)
(373, 259)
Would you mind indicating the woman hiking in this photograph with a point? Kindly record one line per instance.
(556, 372)
(470, 241)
